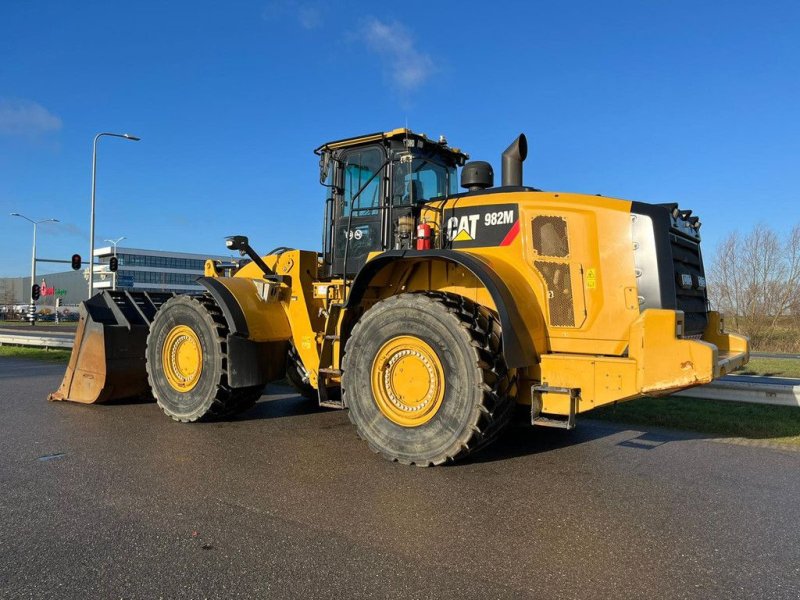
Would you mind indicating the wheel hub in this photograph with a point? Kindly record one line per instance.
(407, 381)
(182, 358)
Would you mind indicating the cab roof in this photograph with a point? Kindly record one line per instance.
(401, 133)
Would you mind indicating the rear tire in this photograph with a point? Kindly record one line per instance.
(187, 363)
(425, 380)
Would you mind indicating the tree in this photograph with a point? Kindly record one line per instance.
(6, 293)
(755, 281)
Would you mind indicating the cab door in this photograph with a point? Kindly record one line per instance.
(358, 210)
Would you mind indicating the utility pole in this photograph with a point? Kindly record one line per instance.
(126, 136)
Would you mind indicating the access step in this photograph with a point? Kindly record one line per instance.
(558, 421)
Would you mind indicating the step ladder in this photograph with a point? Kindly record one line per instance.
(557, 421)
(326, 358)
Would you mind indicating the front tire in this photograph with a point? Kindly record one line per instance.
(187, 363)
(424, 378)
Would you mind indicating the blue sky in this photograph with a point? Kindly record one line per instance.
(694, 102)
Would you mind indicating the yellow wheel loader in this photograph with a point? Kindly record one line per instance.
(430, 312)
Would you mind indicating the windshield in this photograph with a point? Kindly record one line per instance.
(419, 179)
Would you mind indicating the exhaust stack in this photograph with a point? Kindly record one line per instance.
(513, 157)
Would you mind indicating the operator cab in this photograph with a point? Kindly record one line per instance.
(377, 185)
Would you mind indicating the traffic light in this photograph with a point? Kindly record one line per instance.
(113, 264)
(36, 291)
(58, 302)
(76, 261)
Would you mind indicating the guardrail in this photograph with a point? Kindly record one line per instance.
(36, 341)
(741, 388)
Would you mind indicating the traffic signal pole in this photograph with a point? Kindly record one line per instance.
(32, 309)
(34, 287)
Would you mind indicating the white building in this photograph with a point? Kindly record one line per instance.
(151, 270)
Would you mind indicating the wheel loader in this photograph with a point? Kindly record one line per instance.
(432, 311)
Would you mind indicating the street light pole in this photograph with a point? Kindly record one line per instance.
(33, 260)
(114, 274)
(126, 136)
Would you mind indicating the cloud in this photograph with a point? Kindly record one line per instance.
(25, 117)
(407, 67)
(63, 229)
(309, 15)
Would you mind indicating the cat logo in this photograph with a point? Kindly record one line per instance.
(482, 226)
(462, 229)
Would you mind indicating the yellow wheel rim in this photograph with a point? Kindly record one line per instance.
(407, 381)
(182, 358)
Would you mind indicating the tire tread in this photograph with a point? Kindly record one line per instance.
(498, 385)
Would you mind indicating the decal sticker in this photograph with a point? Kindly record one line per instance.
(476, 226)
(591, 279)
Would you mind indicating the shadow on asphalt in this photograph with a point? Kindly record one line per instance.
(519, 439)
(134, 400)
(291, 406)
(522, 439)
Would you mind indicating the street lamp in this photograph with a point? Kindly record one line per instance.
(33, 259)
(114, 274)
(126, 136)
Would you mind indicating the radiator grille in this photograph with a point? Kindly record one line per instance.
(559, 292)
(686, 260)
(550, 236)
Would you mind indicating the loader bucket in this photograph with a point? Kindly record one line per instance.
(108, 355)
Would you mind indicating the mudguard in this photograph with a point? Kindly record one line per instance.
(518, 347)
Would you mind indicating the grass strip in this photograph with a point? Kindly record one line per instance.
(57, 356)
(719, 417)
(772, 367)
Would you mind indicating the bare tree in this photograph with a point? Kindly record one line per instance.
(755, 281)
(6, 293)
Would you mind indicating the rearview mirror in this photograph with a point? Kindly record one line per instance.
(324, 167)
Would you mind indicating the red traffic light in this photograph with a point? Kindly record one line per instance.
(36, 291)
(113, 264)
(76, 261)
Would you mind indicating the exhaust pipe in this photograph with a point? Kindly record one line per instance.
(512, 161)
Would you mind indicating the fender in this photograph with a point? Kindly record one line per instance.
(225, 299)
(253, 357)
(517, 346)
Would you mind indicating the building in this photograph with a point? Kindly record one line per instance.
(69, 286)
(151, 270)
(139, 269)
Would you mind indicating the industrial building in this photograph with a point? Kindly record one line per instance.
(139, 268)
(151, 270)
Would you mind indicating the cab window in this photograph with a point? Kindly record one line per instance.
(418, 179)
(359, 167)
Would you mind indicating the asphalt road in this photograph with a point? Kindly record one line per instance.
(119, 502)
